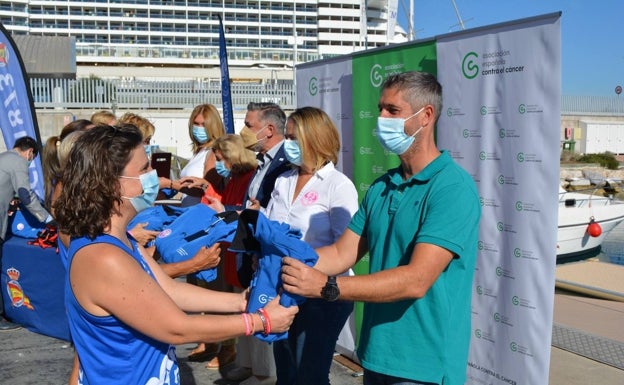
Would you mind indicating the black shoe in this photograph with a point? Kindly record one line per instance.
(7, 325)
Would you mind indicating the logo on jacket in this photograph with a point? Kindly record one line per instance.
(264, 298)
(165, 233)
(16, 293)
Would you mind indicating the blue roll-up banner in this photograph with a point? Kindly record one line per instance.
(226, 96)
(17, 115)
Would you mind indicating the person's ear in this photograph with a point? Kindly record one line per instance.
(428, 115)
(270, 130)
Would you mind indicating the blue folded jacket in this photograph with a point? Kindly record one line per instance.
(198, 226)
(271, 240)
(156, 217)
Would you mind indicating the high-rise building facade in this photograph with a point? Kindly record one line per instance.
(185, 33)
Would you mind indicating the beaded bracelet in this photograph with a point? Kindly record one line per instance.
(266, 321)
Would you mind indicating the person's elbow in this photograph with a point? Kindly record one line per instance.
(24, 196)
(416, 291)
(175, 333)
(173, 338)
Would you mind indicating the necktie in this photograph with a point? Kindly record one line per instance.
(260, 158)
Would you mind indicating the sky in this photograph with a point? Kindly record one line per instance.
(592, 34)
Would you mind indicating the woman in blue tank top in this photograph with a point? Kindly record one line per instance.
(125, 314)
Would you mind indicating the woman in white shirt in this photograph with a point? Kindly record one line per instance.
(205, 126)
(318, 200)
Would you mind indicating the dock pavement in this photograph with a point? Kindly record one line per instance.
(588, 349)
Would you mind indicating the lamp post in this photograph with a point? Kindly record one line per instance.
(295, 44)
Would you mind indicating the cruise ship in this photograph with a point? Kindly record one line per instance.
(158, 38)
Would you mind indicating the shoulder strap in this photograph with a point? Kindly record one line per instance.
(78, 243)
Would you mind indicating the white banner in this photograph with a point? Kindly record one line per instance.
(502, 93)
(393, 10)
(327, 85)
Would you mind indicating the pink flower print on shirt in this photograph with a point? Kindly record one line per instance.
(309, 198)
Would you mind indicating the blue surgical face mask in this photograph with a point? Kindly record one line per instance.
(199, 133)
(221, 169)
(391, 133)
(150, 184)
(292, 152)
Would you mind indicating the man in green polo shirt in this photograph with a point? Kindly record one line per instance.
(419, 222)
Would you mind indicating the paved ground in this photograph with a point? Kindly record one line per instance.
(27, 358)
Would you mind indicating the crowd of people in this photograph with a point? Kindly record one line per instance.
(418, 223)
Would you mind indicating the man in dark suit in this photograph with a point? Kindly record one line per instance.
(264, 133)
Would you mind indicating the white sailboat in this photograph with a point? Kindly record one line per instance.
(584, 221)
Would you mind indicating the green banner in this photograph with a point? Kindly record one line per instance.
(370, 160)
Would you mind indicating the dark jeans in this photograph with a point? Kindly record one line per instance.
(374, 378)
(306, 356)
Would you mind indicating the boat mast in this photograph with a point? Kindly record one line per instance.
(461, 22)
(411, 33)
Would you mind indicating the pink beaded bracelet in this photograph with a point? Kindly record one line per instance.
(266, 321)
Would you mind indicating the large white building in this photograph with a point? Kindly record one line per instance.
(149, 38)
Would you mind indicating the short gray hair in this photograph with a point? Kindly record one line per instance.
(417, 88)
(270, 112)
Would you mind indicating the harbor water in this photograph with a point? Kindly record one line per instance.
(613, 246)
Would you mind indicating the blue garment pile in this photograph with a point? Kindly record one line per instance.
(271, 240)
(156, 217)
(198, 226)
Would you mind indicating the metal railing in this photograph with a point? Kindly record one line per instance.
(96, 93)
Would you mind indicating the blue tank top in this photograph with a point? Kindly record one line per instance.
(110, 351)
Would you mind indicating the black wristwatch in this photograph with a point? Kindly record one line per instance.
(330, 292)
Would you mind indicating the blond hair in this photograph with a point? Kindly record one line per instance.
(145, 126)
(103, 117)
(65, 146)
(213, 125)
(317, 136)
(232, 149)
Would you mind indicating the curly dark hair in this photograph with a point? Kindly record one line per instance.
(91, 189)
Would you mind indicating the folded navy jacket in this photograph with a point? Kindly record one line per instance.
(198, 226)
(270, 240)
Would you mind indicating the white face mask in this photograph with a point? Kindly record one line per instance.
(392, 136)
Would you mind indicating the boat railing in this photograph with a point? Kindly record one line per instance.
(588, 197)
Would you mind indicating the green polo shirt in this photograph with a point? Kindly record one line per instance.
(425, 339)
